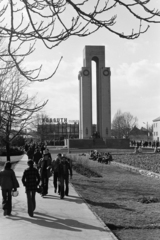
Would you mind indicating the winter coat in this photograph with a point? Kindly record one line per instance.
(55, 164)
(31, 179)
(64, 168)
(8, 179)
(43, 166)
(37, 156)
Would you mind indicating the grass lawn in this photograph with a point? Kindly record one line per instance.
(117, 198)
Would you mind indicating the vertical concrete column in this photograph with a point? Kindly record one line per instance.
(103, 102)
(80, 104)
(106, 103)
(85, 104)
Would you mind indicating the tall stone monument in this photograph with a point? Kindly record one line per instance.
(103, 96)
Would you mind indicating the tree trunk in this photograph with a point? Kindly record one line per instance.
(8, 151)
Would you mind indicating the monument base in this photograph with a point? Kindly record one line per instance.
(99, 143)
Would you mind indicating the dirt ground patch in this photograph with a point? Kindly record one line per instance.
(117, 198)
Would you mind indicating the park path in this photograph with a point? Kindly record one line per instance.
(54, 218)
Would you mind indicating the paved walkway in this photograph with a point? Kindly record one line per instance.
(67, 219)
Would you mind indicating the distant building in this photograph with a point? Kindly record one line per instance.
(59, 131)
(142, 134)
(156, 129)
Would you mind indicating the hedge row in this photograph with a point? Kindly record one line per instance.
(13, 152)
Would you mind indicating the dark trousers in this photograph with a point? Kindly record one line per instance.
(31, 202)
(7, 201)
(44, 184)
(64, 186)
(55, 180)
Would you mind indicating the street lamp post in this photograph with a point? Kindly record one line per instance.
(54, 138)
(147, 129)
(68, 130)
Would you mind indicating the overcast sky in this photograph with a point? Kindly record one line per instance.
(135, 73)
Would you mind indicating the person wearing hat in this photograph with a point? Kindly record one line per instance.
(8, 182)
(31, 180)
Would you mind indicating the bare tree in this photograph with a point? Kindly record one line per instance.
(38, 125)
(17, 108)
(52, 22)
(123, 123)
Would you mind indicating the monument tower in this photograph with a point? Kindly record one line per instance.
(103, 97)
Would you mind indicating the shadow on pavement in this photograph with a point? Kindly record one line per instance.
(74, 196)
(108, 205)
(68, 198)
(48, 221)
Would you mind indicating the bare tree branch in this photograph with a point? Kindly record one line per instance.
(123, 123)
(45, 21)
(16, 107)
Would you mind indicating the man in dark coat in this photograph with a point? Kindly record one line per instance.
(64, 169)
(37, 156)
(8, 182)
(30, 152)
(31, 180)
(44, 166)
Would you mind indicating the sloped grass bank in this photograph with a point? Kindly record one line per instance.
(127, 202)
(150, 162)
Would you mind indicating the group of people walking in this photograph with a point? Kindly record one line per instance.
(62, 168)
(151, 144)
(35, 178)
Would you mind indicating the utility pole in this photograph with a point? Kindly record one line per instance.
(146, 128)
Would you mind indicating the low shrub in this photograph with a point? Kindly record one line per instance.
(85, 167)
(85, 171)
(148, 199)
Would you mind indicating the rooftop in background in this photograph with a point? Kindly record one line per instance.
(157, 119)
(138, 131)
